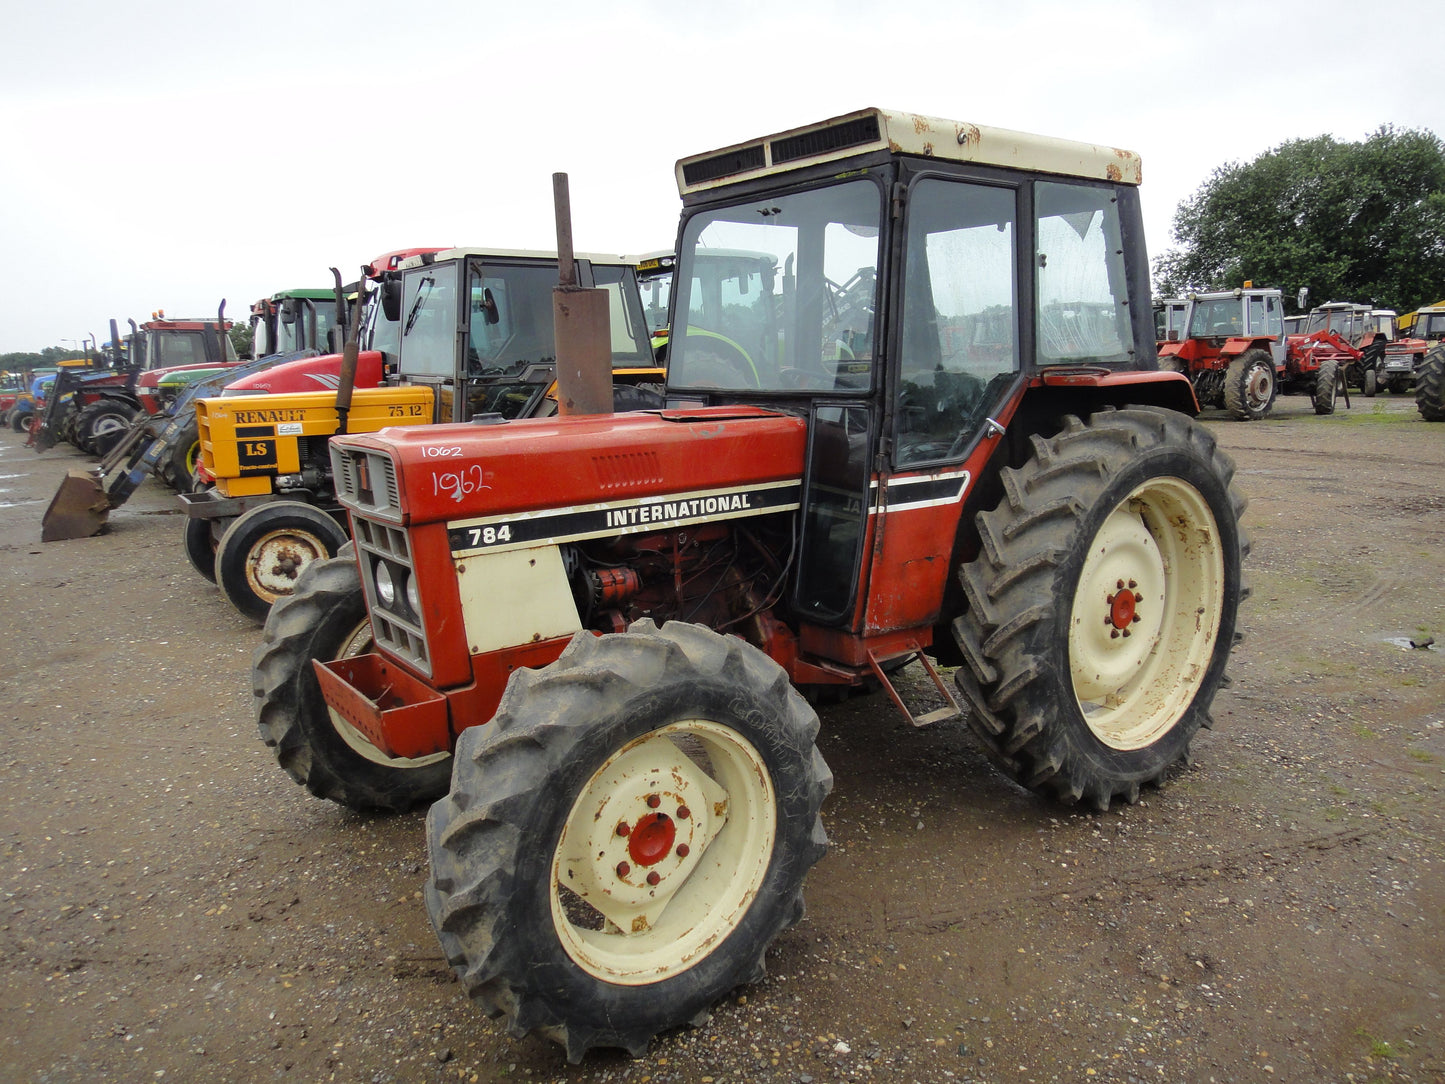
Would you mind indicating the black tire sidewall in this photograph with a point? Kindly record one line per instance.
(1148, 762)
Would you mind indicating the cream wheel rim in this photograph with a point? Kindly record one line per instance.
(1145, 613)
(663, 852)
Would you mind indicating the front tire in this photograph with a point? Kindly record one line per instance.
(326, 619)
(1250, 385)
(201, 539)
(627, 836)
(1430, 385)
(1372, 383)
(1102, 605)
(264, 551)
(1327, 387)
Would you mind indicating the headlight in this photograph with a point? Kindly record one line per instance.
(385, 586)
(413, 596)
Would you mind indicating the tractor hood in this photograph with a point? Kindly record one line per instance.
(317, 373)
(603, 475)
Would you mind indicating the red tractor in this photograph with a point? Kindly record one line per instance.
(1231, 348)
(1331, 348)
(591, 630)
(1403, 357)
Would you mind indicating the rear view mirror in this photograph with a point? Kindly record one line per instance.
(391, 298)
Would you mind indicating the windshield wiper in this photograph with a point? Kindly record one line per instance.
(426, 287)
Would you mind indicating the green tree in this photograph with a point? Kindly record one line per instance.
(242, 337)
(1352, 221)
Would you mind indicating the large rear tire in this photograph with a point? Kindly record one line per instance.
(326, 619)
(1430, 385)
(627, 836)
(1327, 387)
(264, 551)
(1250, 385)
(1101, 607)
(101, 424)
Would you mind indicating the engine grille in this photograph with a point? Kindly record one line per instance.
(398, 630)
(366, 482)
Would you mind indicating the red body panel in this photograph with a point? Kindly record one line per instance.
(321, 373)
(456, 472)
(1212, 353)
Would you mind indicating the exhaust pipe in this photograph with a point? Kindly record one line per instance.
(582, 323)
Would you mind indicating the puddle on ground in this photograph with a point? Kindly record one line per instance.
(1408, 643)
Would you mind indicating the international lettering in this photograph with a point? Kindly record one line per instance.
(668, 511)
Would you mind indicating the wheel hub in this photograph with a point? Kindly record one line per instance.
(644, 838)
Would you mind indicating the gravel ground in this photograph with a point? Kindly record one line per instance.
(173, 907)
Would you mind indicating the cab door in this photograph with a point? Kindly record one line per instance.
(955, 365)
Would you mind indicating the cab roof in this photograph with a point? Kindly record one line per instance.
(910, 134)
(508, 254)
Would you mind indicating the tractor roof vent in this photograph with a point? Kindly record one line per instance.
(739, 160)
(850, 133)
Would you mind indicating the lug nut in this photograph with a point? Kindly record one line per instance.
(683, 812)
(683, 850)
(1120, 585)
(654, 800)
(1133, 584)
(1113, 634)
(624, 829)
(654, 878)
(1138, 597)
(623, 869)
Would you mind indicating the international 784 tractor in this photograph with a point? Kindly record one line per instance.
(593, 632)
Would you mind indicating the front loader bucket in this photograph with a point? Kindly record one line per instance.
(77, 510)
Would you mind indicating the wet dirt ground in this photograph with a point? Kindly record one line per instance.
(174, 908)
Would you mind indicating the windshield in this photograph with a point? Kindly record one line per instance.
(1338, 320)
(1430, 325)
(779, 294)
(656, 290)
(293, 325)
(168, 348)
(1217, 318)
(377, 332)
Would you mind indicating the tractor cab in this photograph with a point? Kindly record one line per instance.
(291, 321)
(1351, 322)
(1430, 324)
(476, 327)
(1169, 319)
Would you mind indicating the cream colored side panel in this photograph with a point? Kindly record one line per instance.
(515, 597)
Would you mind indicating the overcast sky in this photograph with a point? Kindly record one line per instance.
(168, 154)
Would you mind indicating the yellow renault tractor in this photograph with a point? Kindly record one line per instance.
(456, 335)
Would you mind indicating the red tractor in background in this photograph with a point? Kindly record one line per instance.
(1231, 347)
(590, 630)
(94, 409)
(1403, 357)
(1330, 352)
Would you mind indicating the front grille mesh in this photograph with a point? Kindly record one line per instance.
(396, 631)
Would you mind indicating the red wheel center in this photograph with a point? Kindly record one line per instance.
(651, 839)
(1121, 609)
